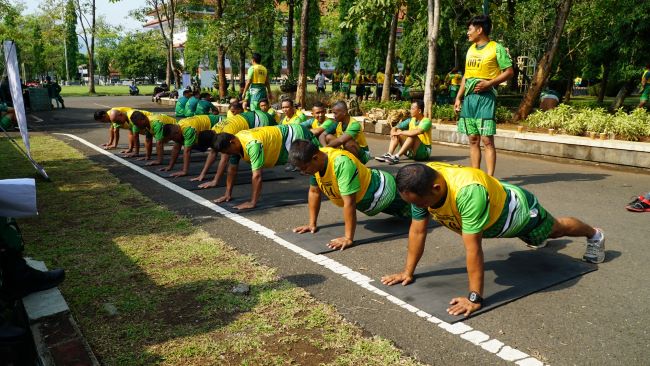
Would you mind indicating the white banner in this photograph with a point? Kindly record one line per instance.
(13, 74)
(11, 63)
(18, 197)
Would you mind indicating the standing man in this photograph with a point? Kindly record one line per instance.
(348, 134)
(360, 90)
(645, 86)
(54, 91)
(380, 77)
(181, 102)
(454, 79)
(477, 206)
(348, 184)
(487, 65)
(336, 81)
(320, 81)
(257, 86)
(413, 135)
(346, 79)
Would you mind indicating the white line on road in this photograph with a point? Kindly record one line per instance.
(464, 331)
(37, 119)
(101, 105)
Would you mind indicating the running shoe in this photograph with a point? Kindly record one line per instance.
(640, 204)
(383, 158)
(595, 252)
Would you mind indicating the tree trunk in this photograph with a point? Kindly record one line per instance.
(385, 94)
(221, 57)
(603, 83)
(545, 63)
(623, 93)
(569, 89)
(91, 54)
(302, 69)
(290, 39)
(242, 70)
(433, 14)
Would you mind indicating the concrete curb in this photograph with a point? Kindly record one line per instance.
(57, 336)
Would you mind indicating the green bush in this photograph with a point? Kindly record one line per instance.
(393, 104)
(577, 122)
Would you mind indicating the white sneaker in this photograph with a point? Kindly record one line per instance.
(595, 252)
(383, 157)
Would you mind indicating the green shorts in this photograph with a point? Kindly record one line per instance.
(422, 153)
(522, 217)
(345, 87)
(645, 95)
(5, 122)
(477, 115)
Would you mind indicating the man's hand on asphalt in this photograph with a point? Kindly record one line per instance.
(462, 306)
(402, 277)
(305, 229)
(340, 243)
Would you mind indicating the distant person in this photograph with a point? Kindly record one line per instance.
(257, 85)
(336, 81)
(487, 65)
(454, 78)
(379, 78)
(320, 81)
(477, 206)
(549, 99)
(412, 136)
(360, 81)
(640, 204)
(205, 105)
(645, 86)
(346, 81)
(54, 91)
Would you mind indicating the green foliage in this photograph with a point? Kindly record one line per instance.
(289, 85)
(344, 51)
(141, 54)
(263, 36)
(577, 122)
(71, 39)
(393, 104)
(373, 44)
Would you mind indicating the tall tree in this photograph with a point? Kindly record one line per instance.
(313, 39)
(86, 15)
(390, 56)
(373, 45)
(166, 12)
(71, 41)
(302, 71)
(544, 65)
(345, 49)
(291, 4)
(433, 13)
(37, 50)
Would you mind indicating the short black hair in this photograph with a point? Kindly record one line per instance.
(319, 105)
(205, 95)
(482, 21)
(222, 141)
(287, 100)
(415, 178)
(264, 100)
(187, 91)
(236, 105)
(257, 57)
(99, 115)
(137, 116)
(301, 152)
(205, 138)
(341, 104)
(420, 104)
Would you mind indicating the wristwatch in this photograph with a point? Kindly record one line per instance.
(475, 298)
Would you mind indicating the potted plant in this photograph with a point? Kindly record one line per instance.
(289, 85)
(416, 90)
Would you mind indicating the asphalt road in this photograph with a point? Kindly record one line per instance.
(597, 319)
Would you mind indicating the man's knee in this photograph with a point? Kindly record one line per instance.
(474, 140)
(488, 141)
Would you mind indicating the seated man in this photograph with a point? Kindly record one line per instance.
(205, 105)
(319, 123)
(190, 106)
(151, 126)
(118, 117)
(232, 125)
(291, 115)
(348, 184)
(263, 147)
(186, 133)
(413, 135)
(476, 206)
(348, 134)
(7, 117)
(181, 102)
(265, 106)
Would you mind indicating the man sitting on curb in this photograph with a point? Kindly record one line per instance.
(181, 102)
(291, 115)
(232, 125)
(348, 134)
(476, 205)
(320, 123)
(152, 127)
(187, 133)
(347, 183)
(205, 106)
(263, 147)
(265, 106)
(413, 136)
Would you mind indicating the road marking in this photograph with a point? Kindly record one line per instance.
(464, 331)
(101, 105)
(39, 120)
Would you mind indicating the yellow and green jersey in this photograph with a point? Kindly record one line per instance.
(354, 128)
(454, 78)
(645, 77)
(380, 77)
(180, 106)
(336, 77)
(156, 123)
(408, 81)
(243, 121)
(484, 63)
(275, 115)
(192, 126)
(344, 176)
(328, 125)
(463, 212)
(360, 79)
(266, 147)
(126, 124)
(257, 74)
(424, 125)
(297, 118)
(347, 78)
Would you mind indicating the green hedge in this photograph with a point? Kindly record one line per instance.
(632, 127)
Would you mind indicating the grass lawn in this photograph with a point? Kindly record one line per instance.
(169, 280)
(80, 90)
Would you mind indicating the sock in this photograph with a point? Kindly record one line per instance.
(597, 236)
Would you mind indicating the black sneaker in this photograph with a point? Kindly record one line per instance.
(393, 160)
